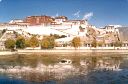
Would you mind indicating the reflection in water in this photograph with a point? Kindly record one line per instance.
(81, 70)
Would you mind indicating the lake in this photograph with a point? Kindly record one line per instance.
(64, 69)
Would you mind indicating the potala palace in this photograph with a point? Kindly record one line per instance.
(61, 25)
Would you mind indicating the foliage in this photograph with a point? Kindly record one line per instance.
(100, 44)
(45, 43)
(10, 43)
(33, 41)
(27, 43)
(48, 42)
(56, 36)
(3, 31)
(117, 44)
(20, 42)
(62, 36)
(76, 42)
(16, 34)
(81, 29)
(94, 43)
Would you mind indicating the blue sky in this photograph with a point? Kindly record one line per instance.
(98, 12)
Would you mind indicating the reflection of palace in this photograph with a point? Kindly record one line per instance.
(101, 64)
(59, 71)
(107, 65)
(62, 71)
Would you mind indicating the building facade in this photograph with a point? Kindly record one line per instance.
(39, 20)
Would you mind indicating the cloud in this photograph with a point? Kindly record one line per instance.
(57, 14)
(88, 16)
(0, 0)
(77, 14)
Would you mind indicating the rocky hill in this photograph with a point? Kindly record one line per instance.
(123, 33)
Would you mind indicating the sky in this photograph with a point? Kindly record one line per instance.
(98, 12)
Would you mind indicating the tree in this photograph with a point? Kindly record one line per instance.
(27, 43)
(3, 31)
(20, 42)
(117, 44)
(48, 42)
(62, 36)
(10, 44)
(81, 29)
(33, 42)
(56, 36)
(100, 44)
(76, 42)
(94, 43)
(45, 44)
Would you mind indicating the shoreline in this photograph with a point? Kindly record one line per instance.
(7, 53)
(67, 51)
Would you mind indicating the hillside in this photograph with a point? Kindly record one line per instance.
(93, 34)
(123, 33)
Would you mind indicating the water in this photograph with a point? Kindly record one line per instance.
(47, 69)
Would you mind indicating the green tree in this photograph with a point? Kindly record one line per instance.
(3, 31)
(20, 42)
(33, 42)
(76, 42)
(45, 44)
(48, 42)
(10, 44)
